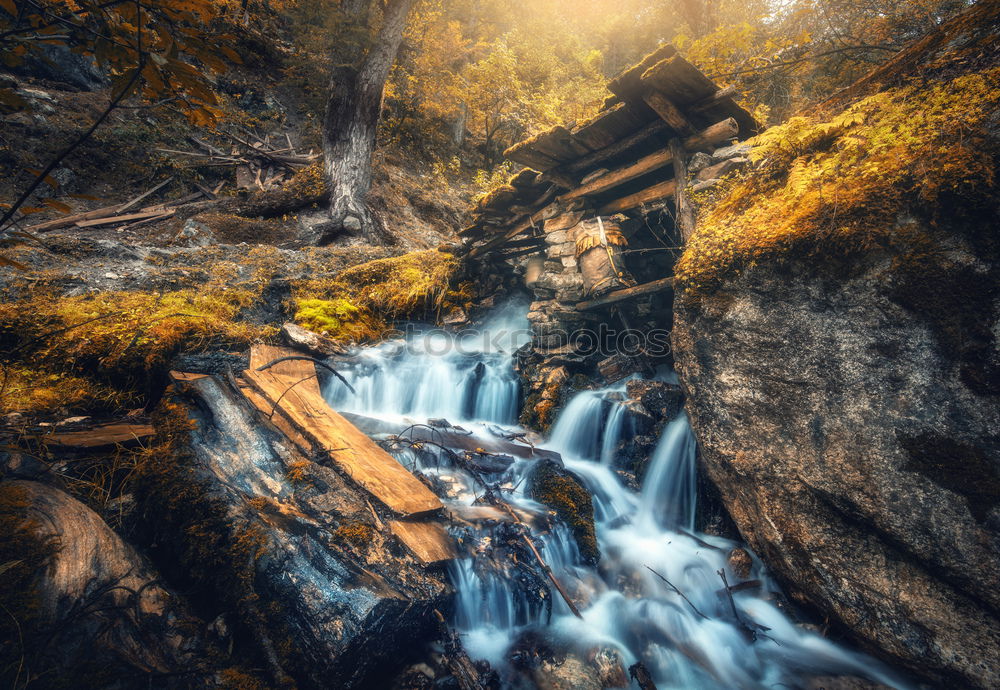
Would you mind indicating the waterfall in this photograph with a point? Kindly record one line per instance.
(669, 490)
(655, 596)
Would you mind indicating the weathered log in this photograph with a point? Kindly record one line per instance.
(684, 216)
(626, 293)
(660, 190)
(710, 136)
(669, 112)
(98, 601)
(324, 572)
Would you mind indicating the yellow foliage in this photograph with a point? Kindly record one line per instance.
(841, 183)
(117, 337)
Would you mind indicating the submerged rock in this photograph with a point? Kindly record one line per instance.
(559, 489)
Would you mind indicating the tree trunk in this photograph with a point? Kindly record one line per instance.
(351, 122)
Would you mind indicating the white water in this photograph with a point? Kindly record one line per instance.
(693, 643)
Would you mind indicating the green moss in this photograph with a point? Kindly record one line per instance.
(335, 318)
(561, 491)
(99, 351)
(356, 303)
(837, 185)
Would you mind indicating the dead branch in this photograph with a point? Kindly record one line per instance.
(315, 361)
(679, 592)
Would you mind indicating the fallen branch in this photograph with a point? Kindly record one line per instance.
(315, 361)
(541, 561)
(679, 592)
(750, 629)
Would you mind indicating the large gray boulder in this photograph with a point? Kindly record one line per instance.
(850, 417)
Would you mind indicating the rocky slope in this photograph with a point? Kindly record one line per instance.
(839, 351)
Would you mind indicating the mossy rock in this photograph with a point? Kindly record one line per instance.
(561, 491)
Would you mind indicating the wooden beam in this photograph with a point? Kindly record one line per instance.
(685, 212)
(669, 112)
(428, 541)
(354, 454)
(660, 190)
(532, 220)
(626, 293)
(658, 159)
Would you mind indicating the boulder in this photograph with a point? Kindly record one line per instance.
(308, 341)
(849, 420)
(663, 400)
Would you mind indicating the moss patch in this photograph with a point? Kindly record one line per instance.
(98, 351)
(358, 301)
(836, 185)
(358, 535)
(561, 491)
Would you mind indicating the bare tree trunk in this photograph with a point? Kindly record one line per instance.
(351, 122)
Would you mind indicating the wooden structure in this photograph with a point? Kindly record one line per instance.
(632, 154)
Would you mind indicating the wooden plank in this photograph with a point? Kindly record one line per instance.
(684, 211)
(669, 112)
(679, 80)
(124, 219)
(185, 376)
(129, 204)
(658, 191)
(428, 541)
(294, 369)
(102, 435)
(66, 221)
(658, 159)
(351, 451)
(626, 293)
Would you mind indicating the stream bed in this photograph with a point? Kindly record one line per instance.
(658, 595)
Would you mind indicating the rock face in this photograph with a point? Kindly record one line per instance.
(849, 417)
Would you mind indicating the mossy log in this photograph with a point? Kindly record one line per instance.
(94, 613)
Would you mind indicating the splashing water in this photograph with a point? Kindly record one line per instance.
(678, 621)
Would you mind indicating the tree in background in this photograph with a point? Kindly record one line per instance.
(357, 83)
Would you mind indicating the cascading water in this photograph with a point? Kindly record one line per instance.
(656, 596)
